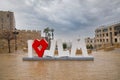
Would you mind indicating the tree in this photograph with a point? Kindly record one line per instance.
(7, 35)
(49, 36)
(89, 47)
(52, 30)
(46, 31)
(64, 46)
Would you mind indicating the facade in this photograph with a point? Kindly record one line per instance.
(21, 43)
(105, 36)
(25, 35)
(7, 20)
(7, 23)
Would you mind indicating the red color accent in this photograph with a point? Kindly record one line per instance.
(40, 43)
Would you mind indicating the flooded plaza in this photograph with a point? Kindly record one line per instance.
(106, 66)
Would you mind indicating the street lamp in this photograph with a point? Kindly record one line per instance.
(15, 34)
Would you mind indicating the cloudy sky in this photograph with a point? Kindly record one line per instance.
(69, 18)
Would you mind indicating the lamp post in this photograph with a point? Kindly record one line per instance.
(15, 34)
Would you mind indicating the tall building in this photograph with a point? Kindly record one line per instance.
(7, 20)
(105, 36)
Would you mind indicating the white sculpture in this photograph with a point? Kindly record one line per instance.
(52, 49)
(30, 42)
(83, 47)
(60, 49)
(75, 45)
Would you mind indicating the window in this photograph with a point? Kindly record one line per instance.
(117, 27)
(110, 28)
(105, 30)
(98, 31)
(115, 33)
(115, 39)
(97, 35)
(91, 41)
(106, 34)
(100, 40)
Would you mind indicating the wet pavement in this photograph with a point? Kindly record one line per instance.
(106, 66)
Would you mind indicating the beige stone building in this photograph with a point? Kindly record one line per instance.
(25, 35)
(7, 20)
(105, 36)
(7, 23)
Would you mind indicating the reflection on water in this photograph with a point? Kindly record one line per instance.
(106, 66)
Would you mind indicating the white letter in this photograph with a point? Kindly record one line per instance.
(60, 49)
(30, 48)
(79, 45)
(52, 49)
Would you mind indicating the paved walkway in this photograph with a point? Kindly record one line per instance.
(106, 66)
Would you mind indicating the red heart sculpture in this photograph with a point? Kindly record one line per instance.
(40, 46)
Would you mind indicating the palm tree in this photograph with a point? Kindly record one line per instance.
(64, 46)
(49, 38)
(46, 31)
(49, 35)
(52, 30)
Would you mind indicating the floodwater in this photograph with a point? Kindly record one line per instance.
(106, 66)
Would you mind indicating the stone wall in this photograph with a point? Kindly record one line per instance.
(22, 38)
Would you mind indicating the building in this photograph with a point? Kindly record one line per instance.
(105, 36)
(19, 41)
(7, 20)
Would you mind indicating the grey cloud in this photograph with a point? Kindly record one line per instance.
(67, 17)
